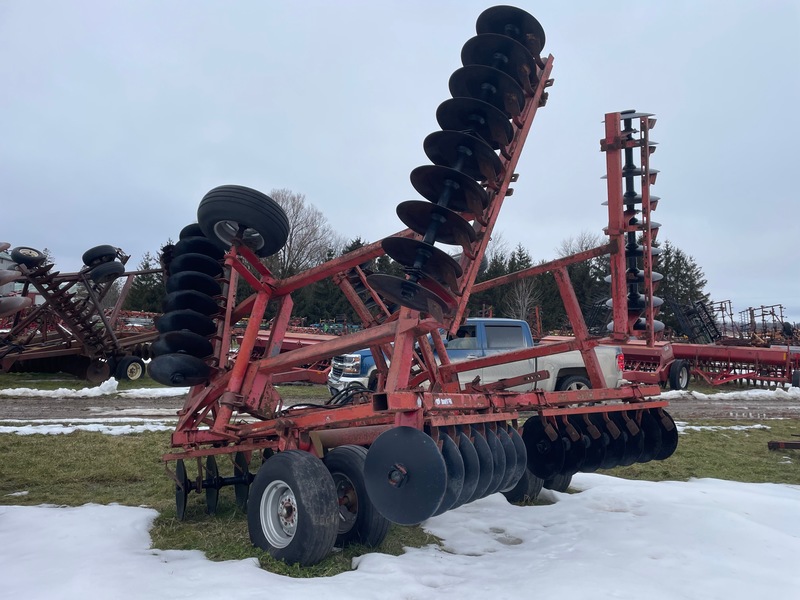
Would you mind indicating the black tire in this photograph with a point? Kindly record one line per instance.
(182, 342)
(559, 483)
(106, 272)
(226, 208)
(198, 245)
(679, 374)
(191, 299)
(305, 531)
(193, 261)
(129, 368)
(359, 520)
(574, 382)
(191, 230)
(796, 378)
(30, 257)
(192, 280)
(186, 319)
(178, 370)
(527, 489)
(98, 255)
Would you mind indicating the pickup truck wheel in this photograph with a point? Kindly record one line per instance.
(372, 384)
(679, 375)
(559, 483)
(796, 378)
(573, 383)
(359, 520)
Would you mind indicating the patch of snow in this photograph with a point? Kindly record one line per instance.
(683, 427)
(23, 493)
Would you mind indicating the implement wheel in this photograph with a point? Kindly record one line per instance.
(359, 520)
(679, 375)
(292, 510)
(228, 210)
(30, 257)
(130, 368)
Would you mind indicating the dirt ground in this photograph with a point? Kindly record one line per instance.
(687, 406)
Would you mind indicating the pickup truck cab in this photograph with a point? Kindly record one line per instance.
(480, 337)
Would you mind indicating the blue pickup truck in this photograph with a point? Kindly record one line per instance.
(480, 337)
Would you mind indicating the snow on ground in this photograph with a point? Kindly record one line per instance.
(684, 427)
(107, 388)
(788, 393)
(703, 539)
(118, 426)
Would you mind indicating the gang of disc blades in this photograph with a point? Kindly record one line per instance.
(436, 184)
(438, 264)
(463, 152)
(490, 85)
(465, 114)
(453, 229)
(405, 475)
(515, 23)
(504, 54)
(455, 473)
(472, 469)
(545, 456)
(486, 462)
(409, 294)
(574, 452)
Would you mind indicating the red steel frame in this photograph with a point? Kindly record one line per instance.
(240, 410)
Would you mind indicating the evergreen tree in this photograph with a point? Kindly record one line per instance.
(147, 291)
(683, 283)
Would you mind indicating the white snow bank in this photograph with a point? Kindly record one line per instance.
(705, 538)
(791, 393)
(107, 388)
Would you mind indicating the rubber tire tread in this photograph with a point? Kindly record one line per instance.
(198, 245)
(315, 494)
(371, 527)
(191, 230)
(178, 370)
(98, 255)
(29, 261)
(106, 272)
(192, 299)
(121, 370)
(194, 261)
(568, 381)
(249, 207)
(186, 319)
(182, 342)
(194, 280)
(675, 374)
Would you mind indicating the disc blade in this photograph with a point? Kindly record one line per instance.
(471, 114)
(182, 342)
(669, 434)
(522, 455)
(515, 23)
(652, 437)
(241, 470)
(545, 454)
(450, 188)
(486, 462)
(433, 262)
(634, 441)
(613, 439)
(463, 152)
(504, 54)
(450, 227)
(511, 459)
(594, 442)
(498, 462)
(409, 294)
(455, 473)
(574, 450)
(405, 475)
(181, 490)
(490, 85)
(211, 485)
(472, 469)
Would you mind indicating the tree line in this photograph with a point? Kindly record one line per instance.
(313, 241)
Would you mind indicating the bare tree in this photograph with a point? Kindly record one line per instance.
(520, 298)
(585, 240)
(311, 238)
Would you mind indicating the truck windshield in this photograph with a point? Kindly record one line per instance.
(499, 336)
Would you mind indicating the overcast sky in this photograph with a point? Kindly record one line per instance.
(116, 117)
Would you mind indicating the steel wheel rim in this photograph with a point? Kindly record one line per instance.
(227, 231)
(683, 380)
(279, 514)
(134, 371)
(578, 385)
(348, 502)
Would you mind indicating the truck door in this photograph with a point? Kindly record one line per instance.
(500, 338)
(465, 346)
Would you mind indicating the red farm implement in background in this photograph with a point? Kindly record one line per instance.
(425, 441)
(57, 321)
